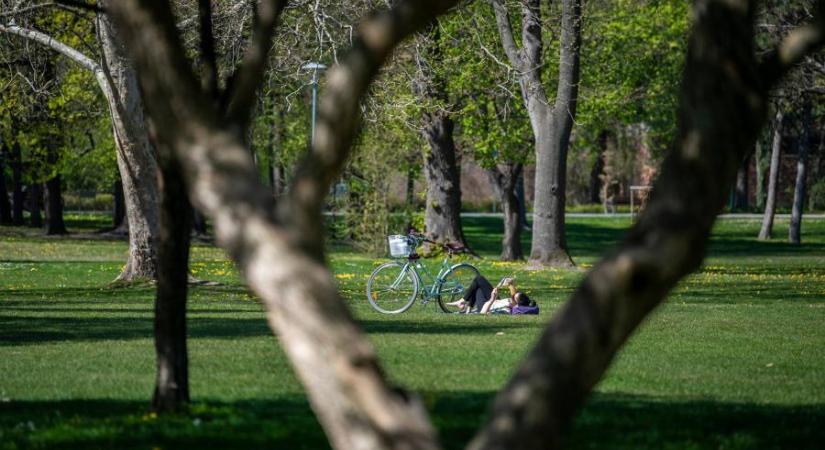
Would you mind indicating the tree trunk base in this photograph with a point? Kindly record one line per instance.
(558, 259)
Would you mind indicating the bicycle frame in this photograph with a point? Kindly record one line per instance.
(430, 288)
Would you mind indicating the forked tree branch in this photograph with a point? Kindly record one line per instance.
(347, 389)
(723, 106)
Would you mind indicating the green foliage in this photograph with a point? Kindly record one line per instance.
(816, 195)
(632, 57)
(53, 109)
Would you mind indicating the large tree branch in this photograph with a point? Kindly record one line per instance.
(337, 364)
(722, 108)
(52, 43)
(338, 115)
(244, 84)
(505, 30)
(570, 51)
(531, 41)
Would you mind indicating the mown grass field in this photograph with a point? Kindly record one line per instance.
(734, 360)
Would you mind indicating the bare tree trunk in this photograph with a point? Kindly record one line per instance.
(549, 242)
(551, 125)
(135, 156)
(758, 161)
(172, 379)
(35, 198)
(54, 207)
(741, 191)
(799, 194)
(5, 205)
(442, 217)
(504, 180)
(773, 178)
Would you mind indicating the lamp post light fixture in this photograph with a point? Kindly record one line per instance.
(315, 68)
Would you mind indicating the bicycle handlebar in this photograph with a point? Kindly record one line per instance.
(421, 238)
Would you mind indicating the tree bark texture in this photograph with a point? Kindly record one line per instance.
(172, 376)
(282, 255)
(724, 95)
(504, 179)
(551, 125)
(760, 174)
(773, 178)
(135, 155)
(35, 200)
(5, 204)
(442, 217)
(799, 194)
(54, 207)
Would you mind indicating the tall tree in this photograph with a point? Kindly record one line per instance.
(442, 217)
(766, 230)
(551, 125)
(135, 156)
(799, 194)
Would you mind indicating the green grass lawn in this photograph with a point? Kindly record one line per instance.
(734, 360)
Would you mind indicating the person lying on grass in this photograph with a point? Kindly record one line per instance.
(482, 298)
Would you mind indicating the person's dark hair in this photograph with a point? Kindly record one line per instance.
(524, 300)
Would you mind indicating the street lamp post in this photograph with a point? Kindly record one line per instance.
(315, 68)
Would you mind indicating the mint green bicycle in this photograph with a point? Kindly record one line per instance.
(394, 286)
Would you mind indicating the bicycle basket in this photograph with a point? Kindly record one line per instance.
(400, 246)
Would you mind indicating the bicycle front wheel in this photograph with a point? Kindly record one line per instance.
(456, 281)
(392, 288)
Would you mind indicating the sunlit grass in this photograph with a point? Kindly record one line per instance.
(734, 359)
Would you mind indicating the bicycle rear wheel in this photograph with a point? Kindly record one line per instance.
(392, 288)
(456, 281)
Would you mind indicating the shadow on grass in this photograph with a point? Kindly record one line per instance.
(32, 330)
(462, 325)
(15, 331)
(620, 421)
(609, 421)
